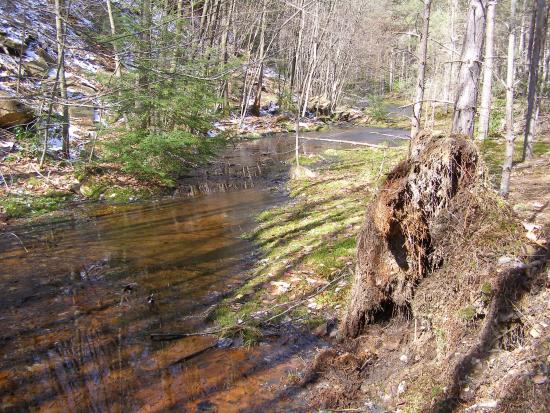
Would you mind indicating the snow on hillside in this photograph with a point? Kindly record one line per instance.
(28, 46)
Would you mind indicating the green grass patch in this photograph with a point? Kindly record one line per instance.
(493, 152)
(26, 205)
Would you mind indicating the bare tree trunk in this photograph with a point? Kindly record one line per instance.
(391, 71)
(60, 39)
(531, 37)
(540, 34)
(452, 70)
(470, 68)
(118, 69)
(21, 50)
(510, 79)
(546, 63)
(255, 109)
(487, 88)
(420, 83)
(297, 55)
(145, 62)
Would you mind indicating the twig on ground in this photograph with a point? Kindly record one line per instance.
(175, 336)
(316, 293)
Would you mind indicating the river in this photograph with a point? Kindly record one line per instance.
(81, 296)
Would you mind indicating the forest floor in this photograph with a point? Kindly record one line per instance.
(308, 244)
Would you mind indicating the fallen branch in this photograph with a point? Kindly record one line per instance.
(18, 239)
(195, 354)
(176, 336)
(342, 141)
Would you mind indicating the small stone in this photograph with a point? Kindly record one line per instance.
(364, 388)
(404, 358)
(401, 388)
(504, 260)
(225, 342)
(535, 333)
(488, 404)
(540, 379)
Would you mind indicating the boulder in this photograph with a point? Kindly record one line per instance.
(320, 105)
(13, 112)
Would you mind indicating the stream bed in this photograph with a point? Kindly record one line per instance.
(81, 295)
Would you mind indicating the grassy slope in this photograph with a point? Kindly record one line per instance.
(310, 242)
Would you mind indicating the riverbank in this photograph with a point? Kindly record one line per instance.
(308, 244)
(28, 191)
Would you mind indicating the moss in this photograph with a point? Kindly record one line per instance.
(308, 160)
(328, 258)
(487, 288)
(26, 205)
(34, 181)
(118, 194)
(92, 189)
(467, 313)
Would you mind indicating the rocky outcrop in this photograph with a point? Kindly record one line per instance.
(13, 112)
(28, 56)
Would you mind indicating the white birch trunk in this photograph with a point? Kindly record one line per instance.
(510, 79)
(420, 82)
(469, 71)
(487, 89)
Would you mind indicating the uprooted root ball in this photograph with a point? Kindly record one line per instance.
(397, 244)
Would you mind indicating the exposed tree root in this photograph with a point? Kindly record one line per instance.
(395, 246)
(441, 248)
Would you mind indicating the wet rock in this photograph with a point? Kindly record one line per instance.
(225, 342)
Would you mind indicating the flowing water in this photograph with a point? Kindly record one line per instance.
(81, 296)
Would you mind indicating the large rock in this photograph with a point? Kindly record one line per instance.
(320, 105)
(13, 112)
(38, 62)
